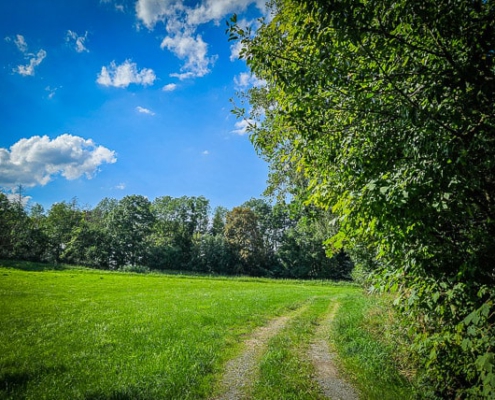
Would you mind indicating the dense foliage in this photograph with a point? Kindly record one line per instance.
(137, 234)
(383, 111)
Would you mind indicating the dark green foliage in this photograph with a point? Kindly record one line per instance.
(172, 234)
(383, 112)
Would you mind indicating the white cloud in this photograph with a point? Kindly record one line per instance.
(124, 74)
(205, 153)
(181, 23)
(21, 44)
(169, 87)
(35, 161)
(118, 7)
(77, 40)
(120, 186)
(191, 49)
(245, 79)
(235, 50)
(214, 10)
(152, 11)
(34, 59)
(144, 110)
(28, 70)
(14, 198)
(242, 126)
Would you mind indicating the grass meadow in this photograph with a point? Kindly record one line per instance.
(85, 334)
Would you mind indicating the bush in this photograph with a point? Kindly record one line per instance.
(138, 269)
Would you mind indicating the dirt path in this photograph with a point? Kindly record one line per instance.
(240, 372)
(323, 359)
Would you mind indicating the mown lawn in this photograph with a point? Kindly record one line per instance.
(85, 334)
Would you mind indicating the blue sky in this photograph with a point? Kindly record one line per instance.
(105, 98)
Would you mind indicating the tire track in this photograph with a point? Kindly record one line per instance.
(323, 359)
(241, 371)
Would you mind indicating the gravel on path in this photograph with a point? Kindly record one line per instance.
(240, 372)
(323, 358)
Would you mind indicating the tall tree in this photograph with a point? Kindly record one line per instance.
(387, 109)
(178, 220)
(218, 221)
(244, 238)
(61, 219)
(130, 224)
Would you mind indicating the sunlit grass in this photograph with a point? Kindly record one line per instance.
(83, 334)
(368, 355)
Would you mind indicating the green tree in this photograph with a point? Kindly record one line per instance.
(90, 243)
(386, 108)
(7, 222)
(245, 241)
(178, 221)
(129, 225)
(61, 219)
(218, 221)
(302, 252)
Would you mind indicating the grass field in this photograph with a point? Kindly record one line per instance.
(86, 334)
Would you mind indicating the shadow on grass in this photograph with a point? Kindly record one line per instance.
(13, 382)
(127, 393)
(31, 266)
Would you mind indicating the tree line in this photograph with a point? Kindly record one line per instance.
(134, 233)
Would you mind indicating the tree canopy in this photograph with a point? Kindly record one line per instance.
(383, 112)
(169, 233)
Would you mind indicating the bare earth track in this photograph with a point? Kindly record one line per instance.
(240, 372)
(327, 376)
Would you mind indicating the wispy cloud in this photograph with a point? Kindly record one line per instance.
(28, 70)
(34, 59)
(51, 91)
(118, 6)
(21, 44)
(124, 74)
(169, 87)
(77, 41)
(144, 110)
(37, 160)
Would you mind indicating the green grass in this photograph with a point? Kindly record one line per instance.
(366, 350)
(84, 334)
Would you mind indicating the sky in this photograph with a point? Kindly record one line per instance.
(108, 98)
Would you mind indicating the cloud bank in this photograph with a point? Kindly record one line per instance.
(124, 74)
(37, 160)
